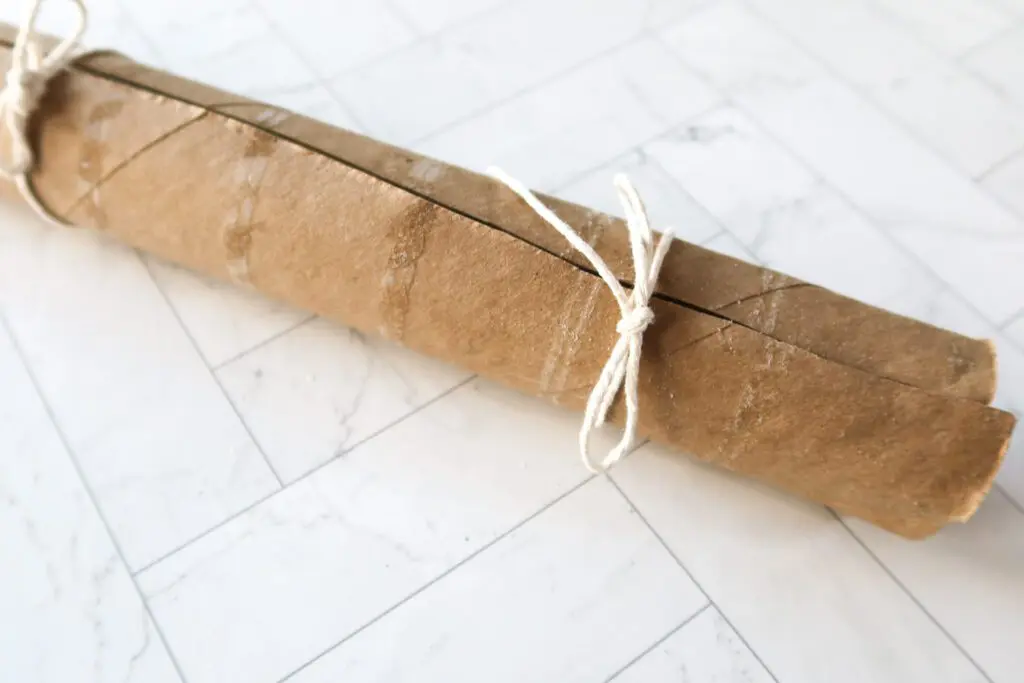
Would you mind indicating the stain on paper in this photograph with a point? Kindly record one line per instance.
(249, 172)
(408, 234)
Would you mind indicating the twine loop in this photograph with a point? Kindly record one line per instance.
(622, 371)
(24, 87)
(635, 322)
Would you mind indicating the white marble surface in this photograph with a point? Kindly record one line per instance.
(199, 485)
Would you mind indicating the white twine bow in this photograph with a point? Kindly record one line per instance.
(623, 367)
(23, 89)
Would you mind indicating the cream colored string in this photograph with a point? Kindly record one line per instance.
(23, 89)
(623, 367)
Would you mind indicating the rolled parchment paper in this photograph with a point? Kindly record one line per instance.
(872, 414)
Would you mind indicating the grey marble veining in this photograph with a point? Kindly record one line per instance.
(197, 484)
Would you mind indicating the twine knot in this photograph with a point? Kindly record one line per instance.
(622, 371)
(25, 83)
(24, 87)
(635, 321)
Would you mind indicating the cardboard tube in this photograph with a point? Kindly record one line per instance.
(245, 192)
(823, 322)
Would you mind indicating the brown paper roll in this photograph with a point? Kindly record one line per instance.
(869, 413)
(830, 325)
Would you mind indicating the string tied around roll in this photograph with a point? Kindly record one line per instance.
(622, 370)
(24, 86)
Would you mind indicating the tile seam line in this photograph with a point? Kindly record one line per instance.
(396, 10)
(1010, 499)
(224, 364)
(913, 598)
(848, 201)
(209, 370)
(956, 58)
(1017, 316)
(689, 574)
(660, 641)
(318, 77)
(995, 168)
(643, 32)
(455, 567)
(884, 111)
(305, 475)
(639, 149)
(132, 21)
(90, 494)
(550, 79)
(418, 39)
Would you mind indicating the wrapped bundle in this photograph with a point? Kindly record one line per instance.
(870, 413)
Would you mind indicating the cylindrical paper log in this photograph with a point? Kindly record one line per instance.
(827, 324)
(872, 414)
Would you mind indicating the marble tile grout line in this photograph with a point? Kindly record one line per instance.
(568, 70)
(638, 149)
(259, 94)
(995, 87)
(895, 579)
(645, 32)
(1014, 503)
(305, 475)
(852, 205)
(721, 231)
(319, 78)
(895, 22)
(647, 160)
(264, 342)
(93, 500)
(1013, 319)
(343, 452)
(865, 95)
(402, 17)
(206, 364)
(682, 565)
(129, 18)
(963, 58)
(998, 165)
(659, 641)
(469, 558)
(957, 61)
(421, 37)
